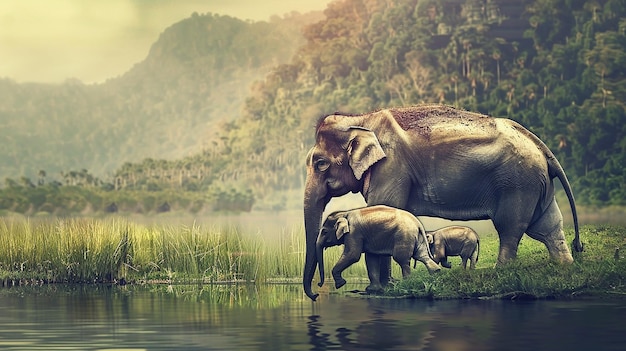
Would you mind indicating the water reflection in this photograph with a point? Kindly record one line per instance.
(280, 317)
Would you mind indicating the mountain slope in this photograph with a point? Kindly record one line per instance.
(196, 76)
(555, 66)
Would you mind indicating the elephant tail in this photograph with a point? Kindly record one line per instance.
(556, 170)
(421, 233)
(477, 249)
(414, 256)
(415, 249)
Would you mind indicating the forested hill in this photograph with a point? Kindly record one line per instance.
(196, 75)
(556, 66)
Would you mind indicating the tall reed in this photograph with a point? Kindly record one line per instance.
(101, 250)
(62, 250)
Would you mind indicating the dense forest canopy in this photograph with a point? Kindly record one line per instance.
(556, 66)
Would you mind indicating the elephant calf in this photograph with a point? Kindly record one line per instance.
(379, 231)
(454, 241)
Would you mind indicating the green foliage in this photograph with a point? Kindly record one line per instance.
(521, 279)
(555, 66)
(55, 199)
(65, 250)
(598, 270)
(91, 250)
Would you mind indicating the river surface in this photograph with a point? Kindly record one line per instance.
(280, 317)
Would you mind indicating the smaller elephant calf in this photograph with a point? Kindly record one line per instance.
(378, 231)
(454, 241)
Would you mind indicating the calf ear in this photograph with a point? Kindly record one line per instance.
(430, 239)
(341, 228)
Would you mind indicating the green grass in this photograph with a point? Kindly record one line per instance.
(596, 271)
(79, 250)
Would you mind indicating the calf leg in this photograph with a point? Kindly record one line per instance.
(445, 263)
(372, 261)
(344, 262)
(474, 257)
(405, 264)
(464, 262)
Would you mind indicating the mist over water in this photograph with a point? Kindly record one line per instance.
(272, 222)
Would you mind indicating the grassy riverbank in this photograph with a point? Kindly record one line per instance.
(79, 250)
(598, 271)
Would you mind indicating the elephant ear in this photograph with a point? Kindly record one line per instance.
(363, 150)
(341, 228)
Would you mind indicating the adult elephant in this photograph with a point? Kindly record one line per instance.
(435, 160)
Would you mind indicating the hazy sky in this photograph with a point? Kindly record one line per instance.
(92, 40)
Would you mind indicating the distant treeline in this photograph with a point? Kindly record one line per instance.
(82, 193)
(556, 66)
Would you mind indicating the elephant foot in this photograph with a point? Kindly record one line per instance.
(374, 289)
(390, 280)
(339, 283)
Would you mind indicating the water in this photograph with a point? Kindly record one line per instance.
(280, 317)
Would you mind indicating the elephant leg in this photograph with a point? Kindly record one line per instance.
(406, 269)
(372, 261)
(511, 221)
(394, 194)
(474, 258)
(445, 263)
(509, 242)
(405, 264)
(464, 262)
(548, 229)
(344, 262)
(385, 270)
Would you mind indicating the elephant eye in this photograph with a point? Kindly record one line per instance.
(322, 165)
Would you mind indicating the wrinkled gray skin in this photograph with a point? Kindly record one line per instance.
(438, 161)
(379, 230)
(454, 240)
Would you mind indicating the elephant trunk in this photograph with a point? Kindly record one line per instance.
(320, 259)
(313, 209)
